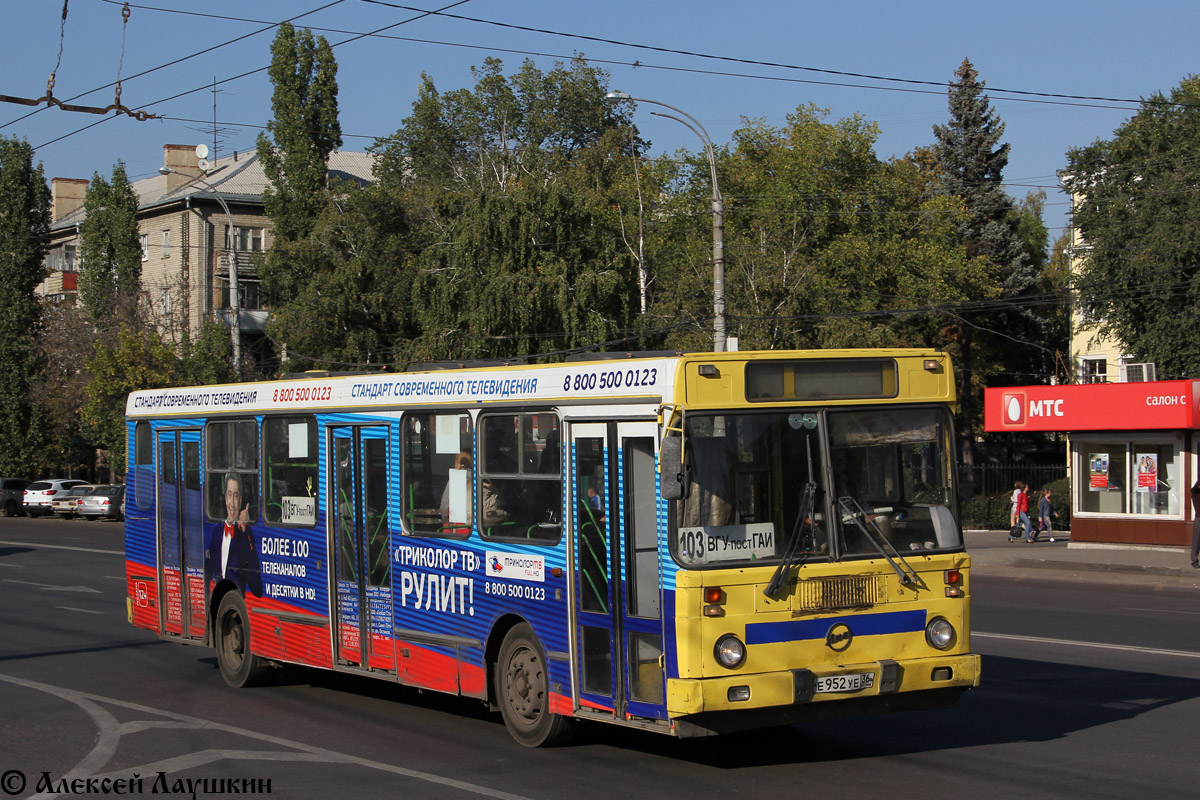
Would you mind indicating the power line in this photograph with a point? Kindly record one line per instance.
(755, 62)
(208, 86)
(176, 61)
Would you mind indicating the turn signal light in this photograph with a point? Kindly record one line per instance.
(714, 596)
(954, 583)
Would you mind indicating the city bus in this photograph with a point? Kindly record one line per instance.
(687, 543)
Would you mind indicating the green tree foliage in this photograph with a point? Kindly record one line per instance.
(1138, 211)
(66, 341)
(132, 358)
(970, 160)
(303, 130)
(205, 359)
(826, 245)
(492, 230)
(24, 224)
(110, 252)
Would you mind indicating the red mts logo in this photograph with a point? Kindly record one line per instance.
(1012, 408)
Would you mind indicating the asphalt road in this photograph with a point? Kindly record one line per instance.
(1088, 691)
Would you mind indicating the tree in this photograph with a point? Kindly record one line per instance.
(303, 130)
(1138, 212)
(132, 358)
(110, 252)
(67, 343)
(826, 245)
(970, 160)
(24, 225)
(492, 231)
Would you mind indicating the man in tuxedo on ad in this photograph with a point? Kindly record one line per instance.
(231, 552)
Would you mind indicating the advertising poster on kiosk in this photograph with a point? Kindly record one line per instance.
(1098, 471)
(1147, 472)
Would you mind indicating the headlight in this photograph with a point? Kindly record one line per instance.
(939, 633)
(730, 652)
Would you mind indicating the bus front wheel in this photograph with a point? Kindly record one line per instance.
(523, 692)
(239, 667)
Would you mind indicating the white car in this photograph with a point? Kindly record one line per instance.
(66, 502)
(40, 494)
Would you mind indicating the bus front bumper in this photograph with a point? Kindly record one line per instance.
(794, 695)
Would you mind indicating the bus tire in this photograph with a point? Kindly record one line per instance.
(523, 691)
(239, 667)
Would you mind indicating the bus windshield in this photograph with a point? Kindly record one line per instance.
(758, 481)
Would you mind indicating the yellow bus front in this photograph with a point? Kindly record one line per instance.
(818, 559)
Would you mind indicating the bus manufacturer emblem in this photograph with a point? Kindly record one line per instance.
(839, 637)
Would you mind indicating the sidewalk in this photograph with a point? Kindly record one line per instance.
(992, 553)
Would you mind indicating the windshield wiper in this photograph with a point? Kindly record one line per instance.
(852, 511)
(808, 501)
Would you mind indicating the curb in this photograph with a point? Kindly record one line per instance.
(1088, 566)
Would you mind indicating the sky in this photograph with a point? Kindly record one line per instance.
(723, 63)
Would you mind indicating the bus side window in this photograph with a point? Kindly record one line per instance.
(231, 449)
(436, 478)
(290, 470)
(520, 478)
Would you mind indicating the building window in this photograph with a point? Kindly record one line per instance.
(68, 258)
(248, 240)
(166, 244)
(1093, 370)
(144, 243)
(248, 294)
(1140, 477)
(165, 302)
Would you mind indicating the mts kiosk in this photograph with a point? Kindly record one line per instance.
(1132, 457)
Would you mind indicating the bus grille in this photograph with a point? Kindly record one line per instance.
(835, 594)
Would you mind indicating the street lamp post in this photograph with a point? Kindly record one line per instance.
(718, 208)
(235, 305)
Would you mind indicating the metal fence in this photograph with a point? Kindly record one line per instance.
(995, 479)
(988, 505)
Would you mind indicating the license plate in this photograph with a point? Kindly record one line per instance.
(852, 682)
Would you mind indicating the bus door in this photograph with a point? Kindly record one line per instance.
(180, 534)
(358, 506)
(617, 612)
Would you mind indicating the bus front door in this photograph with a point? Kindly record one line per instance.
(358, 509)
(180, 535)
(617, 598)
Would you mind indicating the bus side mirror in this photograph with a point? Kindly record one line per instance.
(670, 468)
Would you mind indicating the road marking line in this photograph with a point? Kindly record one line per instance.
(110, 732)
(1159, 610)
(80, 610)
(53, 587)
(1098, 645)
(65, 547)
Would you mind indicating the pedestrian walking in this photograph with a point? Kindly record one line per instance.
(1046, 513)
(1012, 505)
(1020, 515)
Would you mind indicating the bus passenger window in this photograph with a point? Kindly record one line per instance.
(520, 478)
(290, 470)
(232, 448)
(436, 479)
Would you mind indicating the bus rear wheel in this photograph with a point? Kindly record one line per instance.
(239, 667)
(523, 692)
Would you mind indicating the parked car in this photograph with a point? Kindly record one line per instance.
(103, 502)
(39, 495)
(12, 495)
(66, 502)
